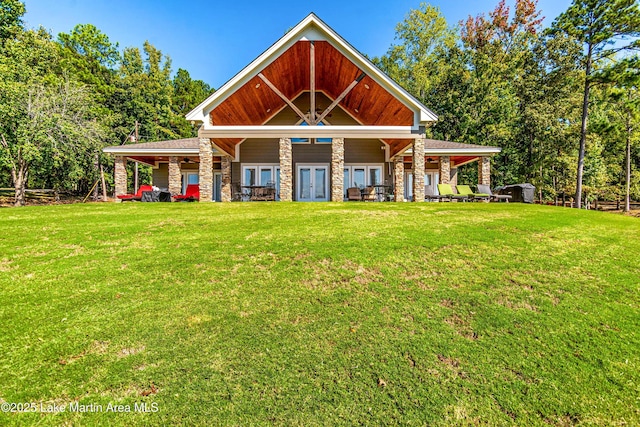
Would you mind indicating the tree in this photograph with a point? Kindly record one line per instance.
(602, 26)
(503, 69)
(144, 93)
(44, 116)
(11, 12)
(424, 35)
(622, 113)
(88, 55)
(187, 94)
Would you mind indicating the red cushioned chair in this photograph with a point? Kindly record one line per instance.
(137, 196)
(192, 194)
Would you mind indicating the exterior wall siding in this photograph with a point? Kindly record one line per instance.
(363, 151)
(161, 176)
(260, 151)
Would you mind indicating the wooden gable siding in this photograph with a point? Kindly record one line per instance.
(369, 102)
(252, 104)
(374, 106)
(255, 103)
(290, 72)
(334, 72)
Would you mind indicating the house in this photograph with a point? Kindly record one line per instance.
(312, 117)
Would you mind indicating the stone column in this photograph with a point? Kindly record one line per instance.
(337, 169)
(418, 170)
(120, 177)
(445, 169)
(205, 172)
(484, 170)
(286, 170)
(225, 188)
(175, 177)
(398, 166)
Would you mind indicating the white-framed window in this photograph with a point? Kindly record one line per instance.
(357, 175)
(262, 174)
(307, 140)
(189, 178)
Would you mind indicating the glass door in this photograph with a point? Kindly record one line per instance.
(431, 183)
(217, 186)
(313, 183)
(408, 185)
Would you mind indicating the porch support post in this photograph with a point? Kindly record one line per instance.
(445, 169)
(286, 170)
(120, 177)
(398, 167)
(337, 169)
(175, 184)
(205, 172)
(418, 170)
(484, 170)
(225, 187)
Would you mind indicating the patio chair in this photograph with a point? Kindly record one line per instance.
(190, 195)
(237, 195)
(369, 194)
(137, 196)
(263, 194)
(354, 193)
(494, 197)
(446, 191)
(429, 196)
(465, 190)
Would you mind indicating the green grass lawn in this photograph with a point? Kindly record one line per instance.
(320, 314)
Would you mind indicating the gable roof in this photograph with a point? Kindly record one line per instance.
(246, 84)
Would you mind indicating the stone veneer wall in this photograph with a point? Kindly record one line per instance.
(445, 169)
(175, 177)
(225, 188)
(286, 170)
(398, 168)
(120, 177)
(484, 171)
(205, 171)
(337, 169)
(418, 170)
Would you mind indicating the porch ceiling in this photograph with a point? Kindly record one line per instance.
(255, 103)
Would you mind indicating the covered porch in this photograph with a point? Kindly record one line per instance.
(283, 176)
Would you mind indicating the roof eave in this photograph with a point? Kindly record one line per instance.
(454, 151)
(132, 151)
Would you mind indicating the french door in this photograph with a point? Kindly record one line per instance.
(312, 183)
(217, 186)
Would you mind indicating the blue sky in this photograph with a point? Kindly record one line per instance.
(215, 39)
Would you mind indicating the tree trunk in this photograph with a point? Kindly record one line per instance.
(96, 165)
(627, 196)
(19, 177)
(583, 129)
